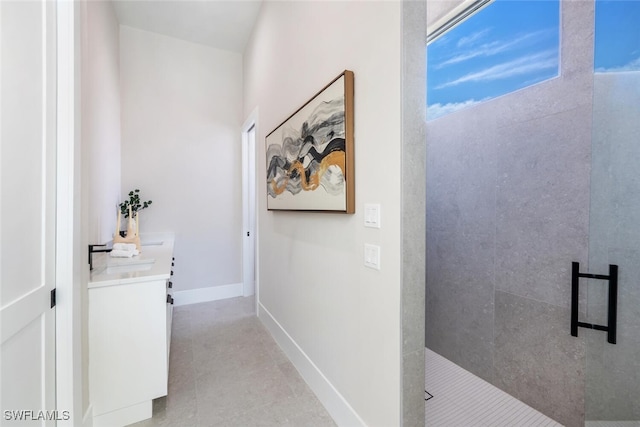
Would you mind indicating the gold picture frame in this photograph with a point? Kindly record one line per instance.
(310, 155)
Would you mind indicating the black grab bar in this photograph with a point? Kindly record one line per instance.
(612, 316)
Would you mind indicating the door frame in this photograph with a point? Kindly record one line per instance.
(249, 256)
(69, 265)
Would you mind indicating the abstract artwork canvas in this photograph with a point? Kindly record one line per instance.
(310, 155)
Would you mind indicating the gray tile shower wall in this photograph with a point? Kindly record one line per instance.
(461, 176)
(507, 212)
(613, 372)
(536, 360)
(543, 204)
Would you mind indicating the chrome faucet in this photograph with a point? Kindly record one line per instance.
(92, 251)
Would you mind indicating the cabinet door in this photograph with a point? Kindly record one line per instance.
(128, 344)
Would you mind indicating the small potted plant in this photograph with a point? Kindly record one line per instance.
(133, 206)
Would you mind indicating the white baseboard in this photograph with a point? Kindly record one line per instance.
(125, 416)
(212, 293)
(87, 419)
(337, 406)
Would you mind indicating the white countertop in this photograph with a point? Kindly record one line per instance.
(153, 263)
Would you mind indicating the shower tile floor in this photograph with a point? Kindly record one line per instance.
(460, 398)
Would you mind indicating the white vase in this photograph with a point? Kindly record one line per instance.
(128, 224)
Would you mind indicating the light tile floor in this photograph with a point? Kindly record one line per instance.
(226, 370)
(459, 398)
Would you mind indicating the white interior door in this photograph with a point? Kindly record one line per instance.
(27, 212)
(249, 210)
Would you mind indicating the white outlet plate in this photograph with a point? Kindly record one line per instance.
(372, 215)
(372, 256)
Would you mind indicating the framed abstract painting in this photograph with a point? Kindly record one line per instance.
(310, 158)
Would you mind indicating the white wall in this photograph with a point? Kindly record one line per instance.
(100, 142)
(101, 116)
(181, 146)
(343, 316)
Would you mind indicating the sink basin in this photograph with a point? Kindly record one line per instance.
(135, 260)
(128, 265)
(117, 269)
(152, 243)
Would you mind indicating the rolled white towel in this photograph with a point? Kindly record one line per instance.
(116, 253)
(124, 247)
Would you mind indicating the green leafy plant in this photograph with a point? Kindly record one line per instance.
(134, 202)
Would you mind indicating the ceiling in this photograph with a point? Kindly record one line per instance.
(223, 24)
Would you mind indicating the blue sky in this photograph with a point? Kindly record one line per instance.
(510, 44)
(504, 47)
(617, 35)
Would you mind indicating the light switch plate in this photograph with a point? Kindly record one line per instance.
(372, 256)
(372, 215)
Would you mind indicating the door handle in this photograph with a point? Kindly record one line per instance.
(612, 315)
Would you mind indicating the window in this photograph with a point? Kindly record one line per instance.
(502, 47)
(617, 36)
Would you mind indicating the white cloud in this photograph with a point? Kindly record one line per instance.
(524, 65)
(633, 65)
(494, 47)
(471, 39)
(437, 110)
(487, 49)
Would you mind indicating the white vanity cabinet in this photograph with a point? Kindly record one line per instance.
(130, 312)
